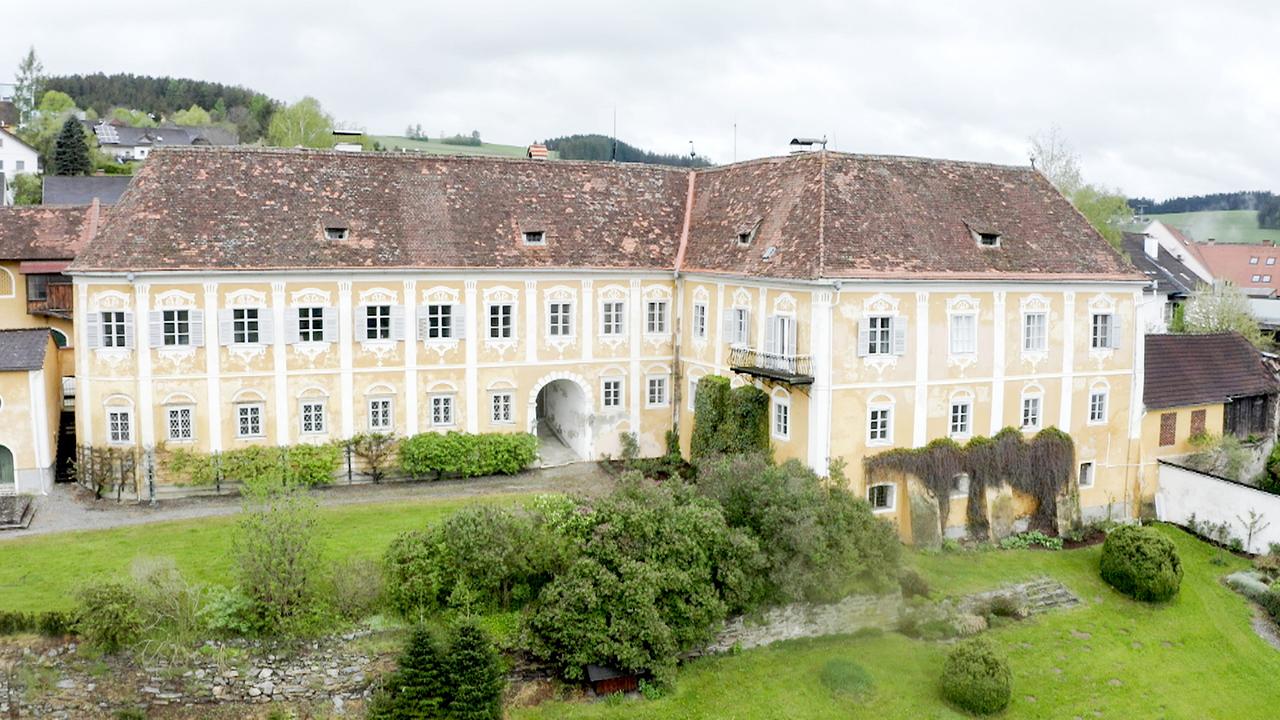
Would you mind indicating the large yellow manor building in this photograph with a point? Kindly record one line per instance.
(241, 296)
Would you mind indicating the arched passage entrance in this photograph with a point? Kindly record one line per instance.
(7, 484)
(560, 412)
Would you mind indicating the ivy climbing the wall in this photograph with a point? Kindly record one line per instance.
(729, 421)
(1040, 467)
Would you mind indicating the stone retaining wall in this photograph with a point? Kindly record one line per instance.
(804, 620)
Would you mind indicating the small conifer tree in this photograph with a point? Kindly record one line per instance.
(474, 672)
(71, 150)
(416, 689)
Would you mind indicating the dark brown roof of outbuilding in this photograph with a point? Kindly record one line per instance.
(23, 349)
(45, 232)
(1184, 370)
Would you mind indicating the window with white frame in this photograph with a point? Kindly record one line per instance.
(249, 420)
(245, 326)
(113, 332)
(176, 327)
(611, 314)
(1253, 261)
(881, 496)
(656, 317)
(377, 322)
(381, 415)
(879, 335)
(311, 324)
(959, 485)
(611, 392)
(501, 321)
(439, 322)
(119, 425)
(1255, 278)
(441, 410)
(964, 334)
(501, 405)
(1031, 412)
(879, 427)
(312, 417)
(700, 321)
(1035, 337)
(740, 326)
(782, 418)
(179, 423)
(1102, 333)
(961, 417)
(693, 392)
(1086, 474)
(560, 319)
(657, 391)
(1271, 261)
(1098, 405)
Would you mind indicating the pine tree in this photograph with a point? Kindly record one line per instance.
(71, 150)
(474, 672)
(416, 689)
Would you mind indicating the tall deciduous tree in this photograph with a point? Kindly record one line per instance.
(27, 85)
(192, 116)
(1222, 307)
(1105, 208)
(303, 123)
(71, 150)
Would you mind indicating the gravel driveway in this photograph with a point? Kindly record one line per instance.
(70, 507)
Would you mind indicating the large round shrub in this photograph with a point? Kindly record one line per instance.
(1141, 563)
(976, 678)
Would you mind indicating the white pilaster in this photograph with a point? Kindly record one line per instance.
(820, 394)
(1133, 335)
(997, 363)
(212, 361)
(919, 424)
(635, 323)
(280, 381)
(145, 410)
(762, 323)
(346, 358)
(411, 356)
(40, 420)
(472, 343)
(531, 330)
(588, 334)
(84, 418)
(1068, 359)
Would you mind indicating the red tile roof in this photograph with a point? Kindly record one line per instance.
(46, 232)
(1232, 262)
(1183, 370)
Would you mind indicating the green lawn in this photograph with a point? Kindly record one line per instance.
(1224, 226)
(42, 572)
(395, 142)
(1195, 657)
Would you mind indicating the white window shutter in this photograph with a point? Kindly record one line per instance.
(330, 324)
(397, 322)
(424, 323)
(727, 325)
(197, 327)
(793, 332)
(1115, 331)
(128, 329)
(899, 336)
(156, 328)
(266, 334)
(93, 329)
(459, 318)
(225, 334)
(771, 335)
(864, 337)
(292, 335)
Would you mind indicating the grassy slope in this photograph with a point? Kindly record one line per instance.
(1193, 658)
(1225, 226)
(42, 572)
(435, 146)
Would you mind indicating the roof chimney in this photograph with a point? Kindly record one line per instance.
(1210, 241)
(1150, 246)
(537, 151)
(804, 144)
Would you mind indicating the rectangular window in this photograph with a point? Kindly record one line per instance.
(611, 318)
(1253, 261)
(249, 420)
(1197, 422)
(502, 408)
(657, 392)
(878, 425)
(113, 329)
(964, 334)
(500, 321)
(656, 317)
(312, 416)
(879, 335)
(37, 287)
(880, 497)
(961, 410)
(959, 485)
(560, 319)
(176, 327)
(180, 426)
(739, 329)
(1271, 261)
(693, 393)
(1168, 428)
(700, 321)
(120, 426)
(1255, 278)
(1098, 406)
(244, 325)
(781, 419)
(439, 322)
(611, 392)
(377, 322)
(1101, 335)
(1266, 278)
(441, 410)
(535, 237)
(381, 417)
(1086, 474)
(20, 165)
(1031, 413)
(1034, 335)
(311, 324)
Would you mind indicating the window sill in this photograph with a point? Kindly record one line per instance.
(879, 443)
(882, 511)
(781, 438)
(180, 441)
(656, 406)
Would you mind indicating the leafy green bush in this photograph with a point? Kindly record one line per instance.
(276, 551)
(1023, 541)
(976, 678)
(356, 587)
(108, 615)
(254, 465)
(378, 452)
(467, 455)
(1271, 603)
(56, 623)
(312, 465)
(711, 403)
(913, 584)
(186, 466)
(1141, 563)
(228, 612)
(166, 601)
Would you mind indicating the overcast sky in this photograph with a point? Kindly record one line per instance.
(1159, 98)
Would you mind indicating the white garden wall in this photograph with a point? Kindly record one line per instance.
(1182, 492)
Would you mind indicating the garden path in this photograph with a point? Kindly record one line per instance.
(69, 507)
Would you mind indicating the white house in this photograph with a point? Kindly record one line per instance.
(15, 157)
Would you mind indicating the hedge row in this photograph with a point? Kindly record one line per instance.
(50, 623)
(467, 455)
(308, 465)
(729, 421)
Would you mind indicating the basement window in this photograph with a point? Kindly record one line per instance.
(335, 232)
(535, 237)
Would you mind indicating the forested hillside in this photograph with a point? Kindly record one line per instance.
(1242, 200)
(601, 147)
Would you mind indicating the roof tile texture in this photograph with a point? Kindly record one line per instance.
(45, 232)
(1184, 370)
(23, 349)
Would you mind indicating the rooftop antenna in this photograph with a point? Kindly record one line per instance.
(1033, 162)
(692, 154)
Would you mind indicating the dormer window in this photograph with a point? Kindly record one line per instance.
(988, 239)
(747, 233)
(335, 232)
(535, 237)
(744, 239)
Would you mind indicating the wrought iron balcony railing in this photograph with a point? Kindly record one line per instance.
(791, 369)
